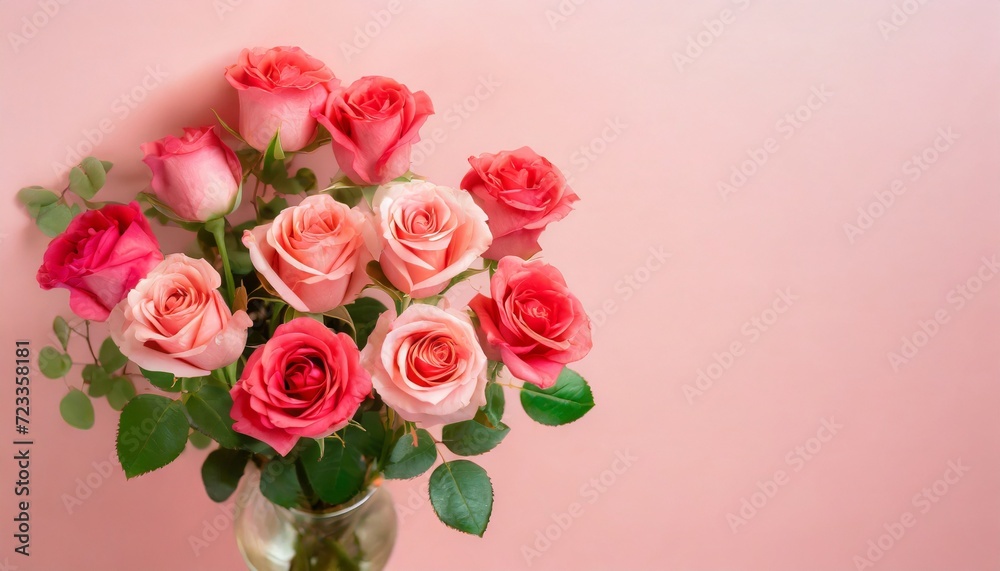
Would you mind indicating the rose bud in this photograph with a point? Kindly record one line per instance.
(196, 178)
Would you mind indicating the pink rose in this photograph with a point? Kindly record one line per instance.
(373, 123)
(279, 90)
(313, 254)
(428, 234)
(176, 321)
(306, 381)
(100, 256)
(535, 323)
(521, 193)
(427, 365)
(195, 178)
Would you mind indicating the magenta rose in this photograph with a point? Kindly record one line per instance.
(305, 382)
(532, 321)
(428, 234)
(374, 122)
(196, 178)
(99, 258)
(175, 320)
(521, 193)
(313, 254)
(427, 365)
(280, 89)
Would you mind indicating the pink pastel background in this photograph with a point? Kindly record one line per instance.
(659, 134)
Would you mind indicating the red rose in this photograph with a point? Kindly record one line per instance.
(532, 320)
(521, 193)
(99, 258)
(373, 122)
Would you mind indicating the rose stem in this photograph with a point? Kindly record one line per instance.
(218, 229)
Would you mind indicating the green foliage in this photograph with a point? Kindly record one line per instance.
(77, 410)
(88, 178)
(152, 432)
(53, 363)
(221, 472)
(364, 313)
(279, 483)
(568, 400)
(163, 381)
(61, 329)
(208, 408)
(110, 356)
(338, 475)
(473, 437)
(98, 380)
(462, 496)
(122, 391)
(409, 461)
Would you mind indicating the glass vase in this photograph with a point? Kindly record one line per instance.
(356, 536)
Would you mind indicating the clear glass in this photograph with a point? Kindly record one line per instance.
(354, 537)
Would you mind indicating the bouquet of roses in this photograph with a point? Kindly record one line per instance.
(315, 335)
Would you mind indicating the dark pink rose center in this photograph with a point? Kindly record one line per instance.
(305, 377)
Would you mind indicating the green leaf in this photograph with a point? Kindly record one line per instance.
(122, 391)
(306, 178)
(462, 496)
(568, 400)
(53, 219)
(54, 364)
(367, 438)
(364, 312)
(199, 440)
(375, 272)
(107, 166)
(98, 381)
(471, 438)
(61, 329)
(88, 178)
(280, 484)
(110, 356)
(229, 129)
(349, 195)
(462, 277)
(408, 461)
(269, 210)
(163, 381)
(221, 472)
(209, 411)
(35, 197)
(77, 410)
(274, 161)
(239, 255)
(339, 475)
(152, 432)
(495, 402)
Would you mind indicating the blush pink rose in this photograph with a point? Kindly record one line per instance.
(532, 320)
(176, 321)
(196, 178)
(427, 234)
(374, 122)
(99, 258)
(521, 192)
(279, 90)
(427, 365)
(313, 254)
(305, 382)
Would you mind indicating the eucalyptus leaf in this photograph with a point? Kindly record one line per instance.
(77, 410)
